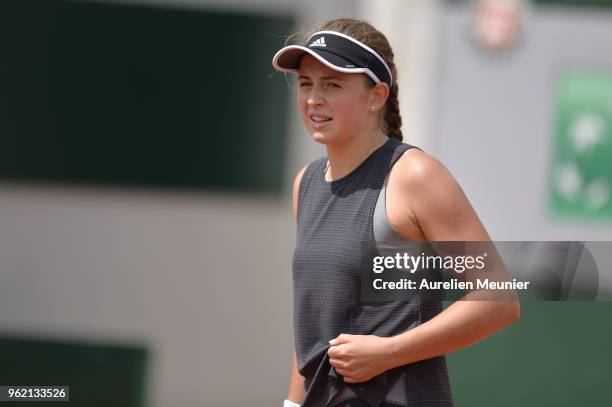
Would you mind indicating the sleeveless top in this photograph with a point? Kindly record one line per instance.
(333, 219)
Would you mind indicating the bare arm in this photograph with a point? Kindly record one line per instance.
(443, 213)
(296, 386)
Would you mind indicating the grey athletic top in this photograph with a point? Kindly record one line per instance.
(334, 218)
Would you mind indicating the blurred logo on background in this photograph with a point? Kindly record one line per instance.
(496, 24)
(581, 176)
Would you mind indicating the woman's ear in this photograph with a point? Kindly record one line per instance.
(378, 96)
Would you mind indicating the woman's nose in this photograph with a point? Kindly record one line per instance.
(314, 99)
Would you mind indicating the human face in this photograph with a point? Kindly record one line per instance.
(334, 106)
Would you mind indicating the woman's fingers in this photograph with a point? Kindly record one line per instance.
(346, 375)
(337, 363)
(342, 372)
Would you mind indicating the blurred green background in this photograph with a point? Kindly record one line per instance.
(141, 96)
(557, 354)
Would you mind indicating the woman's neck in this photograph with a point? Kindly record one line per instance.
(344, 158)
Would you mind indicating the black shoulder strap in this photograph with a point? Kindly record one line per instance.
(400, 149)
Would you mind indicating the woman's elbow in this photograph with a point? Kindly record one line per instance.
(512, 312)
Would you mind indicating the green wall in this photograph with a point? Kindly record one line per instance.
(140, 95)
(99, 375)
(589, 3)
(558, 354)
(579, 3)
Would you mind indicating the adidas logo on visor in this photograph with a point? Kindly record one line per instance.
(318, 43)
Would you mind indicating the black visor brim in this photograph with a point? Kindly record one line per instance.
(288, 60)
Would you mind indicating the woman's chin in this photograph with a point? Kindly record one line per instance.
(321, 137)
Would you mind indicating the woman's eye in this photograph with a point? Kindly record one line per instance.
(333, 85)
(304, 84)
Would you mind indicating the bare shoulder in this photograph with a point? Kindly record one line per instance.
(417, 169)
(296, 188)
(426, 193)
(410, 188)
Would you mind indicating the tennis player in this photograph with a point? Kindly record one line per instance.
(370, 186)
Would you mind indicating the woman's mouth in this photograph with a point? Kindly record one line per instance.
(319, 121)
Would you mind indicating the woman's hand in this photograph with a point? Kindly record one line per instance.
(359, 357)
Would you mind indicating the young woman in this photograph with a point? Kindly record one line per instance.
(371, 186)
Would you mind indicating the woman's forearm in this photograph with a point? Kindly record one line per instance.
(461, 324)
(296, 386)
